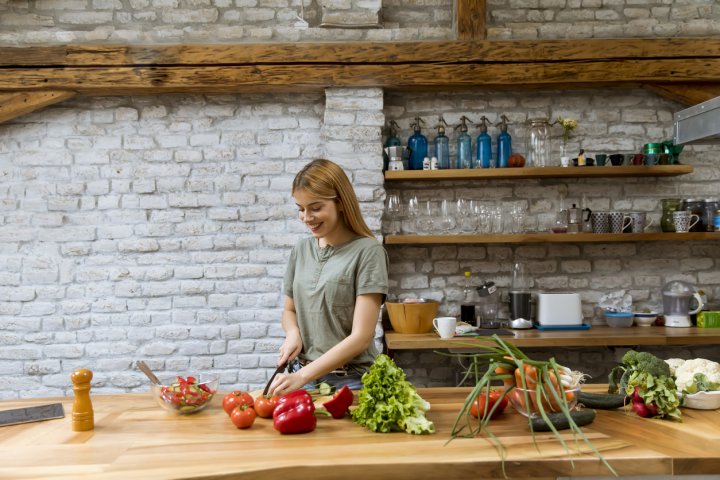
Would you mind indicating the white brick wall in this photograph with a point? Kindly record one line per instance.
(172, 248)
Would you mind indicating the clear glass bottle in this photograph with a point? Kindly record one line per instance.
(442, 145)
(464, 145)
(418, 145)
(539, 146)
(467, 307)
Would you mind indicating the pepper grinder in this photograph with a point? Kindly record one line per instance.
(83, 418)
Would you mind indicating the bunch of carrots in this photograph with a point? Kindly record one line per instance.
(541, 387)
(557, 384)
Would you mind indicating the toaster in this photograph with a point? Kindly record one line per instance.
(559, 309)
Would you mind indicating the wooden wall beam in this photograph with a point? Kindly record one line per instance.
(229, 79)
(471, 19)
(13, 105)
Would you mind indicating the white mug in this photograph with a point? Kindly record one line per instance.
(445, 326)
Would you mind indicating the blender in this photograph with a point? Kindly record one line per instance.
(676, 303)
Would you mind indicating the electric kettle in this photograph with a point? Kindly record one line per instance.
(676, 303)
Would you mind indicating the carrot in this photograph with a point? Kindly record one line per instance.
(509, 382)
(530, 376)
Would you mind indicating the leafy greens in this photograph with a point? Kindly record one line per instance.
(389, 403)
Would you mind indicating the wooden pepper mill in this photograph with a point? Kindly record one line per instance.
(83, 418)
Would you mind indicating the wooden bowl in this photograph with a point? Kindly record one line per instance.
(412, 317)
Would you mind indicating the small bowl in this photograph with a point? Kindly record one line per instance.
(170, 396)
(619, 319)
(644, 319)
(517, 398)
(702, 400)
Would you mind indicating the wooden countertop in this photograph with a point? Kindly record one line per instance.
(134, 438)
(599, 335)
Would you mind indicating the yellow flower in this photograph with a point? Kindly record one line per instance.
(568, 124)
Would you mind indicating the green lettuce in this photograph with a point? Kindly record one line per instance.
(389, 403)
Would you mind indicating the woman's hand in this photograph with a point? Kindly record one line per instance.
(287, 382)
(291, 347)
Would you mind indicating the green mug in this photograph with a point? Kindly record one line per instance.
(600, 159)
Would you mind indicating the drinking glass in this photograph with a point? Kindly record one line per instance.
(426, 218)
(466, 216)
(446, 222)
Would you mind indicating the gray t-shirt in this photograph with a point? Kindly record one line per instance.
(324, 283)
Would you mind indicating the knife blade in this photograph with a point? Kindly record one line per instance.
(279, 369)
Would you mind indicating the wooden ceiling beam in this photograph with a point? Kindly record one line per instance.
(229, 79)
(686, 93)
(350, 53)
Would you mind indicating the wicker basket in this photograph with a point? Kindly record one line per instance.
(412, 317)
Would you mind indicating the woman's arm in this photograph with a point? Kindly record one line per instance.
(292, 346)
(365, 317)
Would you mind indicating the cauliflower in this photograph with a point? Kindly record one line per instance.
(685, 373)
(674, 363)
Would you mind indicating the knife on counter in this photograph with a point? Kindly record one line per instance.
(279, 369)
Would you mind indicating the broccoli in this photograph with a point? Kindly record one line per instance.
(646, 362)
(647, 376)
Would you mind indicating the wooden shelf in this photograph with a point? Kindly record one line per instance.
(538, 172)
(596, 336)
(551, 238)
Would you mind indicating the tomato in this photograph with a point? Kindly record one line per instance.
(479, 403)
(236, 399)
(243, 416)
(265, 406)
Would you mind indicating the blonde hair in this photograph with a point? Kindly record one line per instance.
(325, 179)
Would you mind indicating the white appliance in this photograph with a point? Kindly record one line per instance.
(559, 309)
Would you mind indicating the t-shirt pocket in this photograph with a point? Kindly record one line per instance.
(340, 292)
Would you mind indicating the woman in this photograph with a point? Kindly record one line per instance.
(335, 283)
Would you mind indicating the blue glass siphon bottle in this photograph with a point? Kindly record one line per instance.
(442, 145)
(464, 145)
(418, 145)
(504, 143)
(484, 146)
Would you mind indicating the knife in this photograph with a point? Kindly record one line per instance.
(279, 369)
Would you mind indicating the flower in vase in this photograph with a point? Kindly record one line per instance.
(568, 125)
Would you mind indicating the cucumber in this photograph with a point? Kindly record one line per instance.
(560, 421)
(603, 401)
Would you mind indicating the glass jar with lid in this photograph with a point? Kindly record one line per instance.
(669, 205)
(710, 206)
(539, 147)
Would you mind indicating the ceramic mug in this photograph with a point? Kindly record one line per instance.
(638, 159)
(617, 159)
(445, 326)
(639, 222)
(600, 159)
(652, 159)
(619, 222)
(684, 220)
(600, 222)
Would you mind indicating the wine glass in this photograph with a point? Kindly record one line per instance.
(412, 214)
(393, 210)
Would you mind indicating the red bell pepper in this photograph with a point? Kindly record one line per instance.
(295, 413)
(340, 403)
